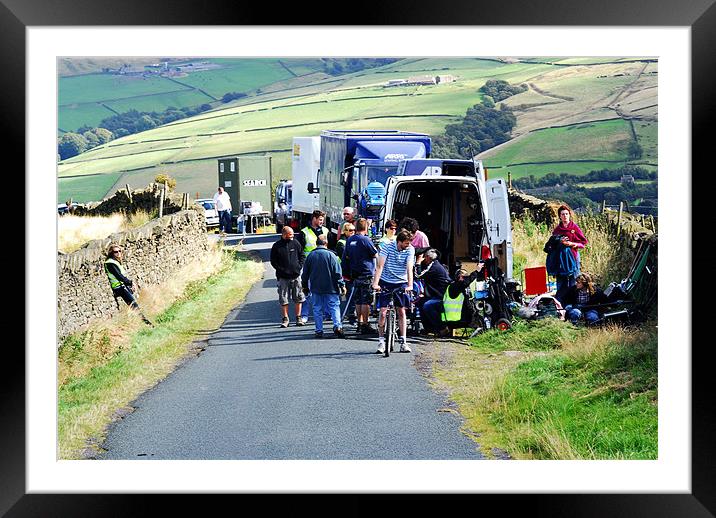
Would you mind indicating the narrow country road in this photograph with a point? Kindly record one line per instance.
(262, 392)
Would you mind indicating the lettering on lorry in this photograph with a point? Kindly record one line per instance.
(254, 183)
(432, 171)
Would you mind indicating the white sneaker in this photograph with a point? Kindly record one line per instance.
(381, 346)
(404, 347)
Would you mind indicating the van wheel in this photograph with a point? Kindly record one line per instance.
(503, 324)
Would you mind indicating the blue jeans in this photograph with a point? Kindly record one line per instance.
(224, 221)
(574, 314)
(430, 312)
(329, 303)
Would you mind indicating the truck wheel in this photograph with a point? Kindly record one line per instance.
(503, 324)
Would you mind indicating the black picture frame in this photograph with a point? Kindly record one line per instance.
(700, 16)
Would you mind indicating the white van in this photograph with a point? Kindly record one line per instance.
(465, 217)
(282, 204)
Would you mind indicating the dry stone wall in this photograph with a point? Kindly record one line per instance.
(540, 211)
(153, 253)
(128, 202)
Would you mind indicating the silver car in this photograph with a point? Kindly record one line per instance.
(212, 215)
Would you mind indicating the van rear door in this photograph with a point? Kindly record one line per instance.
(498, 223)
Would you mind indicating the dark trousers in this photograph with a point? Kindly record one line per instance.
(225, 221)
(126, 295)
(564, 282)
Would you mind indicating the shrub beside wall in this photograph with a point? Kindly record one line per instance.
(153, 252)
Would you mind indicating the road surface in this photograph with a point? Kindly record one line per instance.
(262, 392)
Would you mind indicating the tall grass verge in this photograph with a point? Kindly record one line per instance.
(75, 231)
(547, 390)
(606, 257)
(105, 368)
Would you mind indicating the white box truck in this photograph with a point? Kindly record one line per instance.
(305, 162)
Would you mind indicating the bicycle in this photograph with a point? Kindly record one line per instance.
(391, 321)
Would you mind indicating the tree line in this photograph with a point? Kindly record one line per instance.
(483, 127)
(592, 198)
(133, 121)
(338, 66)
(601, 175)
(499, 90)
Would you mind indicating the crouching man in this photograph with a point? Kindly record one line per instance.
(122, 286)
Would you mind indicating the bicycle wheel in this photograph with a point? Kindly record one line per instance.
(389, 331)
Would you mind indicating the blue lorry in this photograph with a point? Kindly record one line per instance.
(353, 160)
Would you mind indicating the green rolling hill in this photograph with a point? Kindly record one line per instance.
(574, 117)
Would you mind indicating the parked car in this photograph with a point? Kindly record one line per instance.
(210, 212)
(63, 209)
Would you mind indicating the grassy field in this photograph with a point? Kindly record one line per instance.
(576, 168)
(159, 103)
(267, 122)
(73, 116)
(105, 87)
(85, 189)
(596, 141)
(104, 368)
(647, 135)
(547, 390)
(237, 75)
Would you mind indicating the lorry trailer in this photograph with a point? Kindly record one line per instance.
(351, 160)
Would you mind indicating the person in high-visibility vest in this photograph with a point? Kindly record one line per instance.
(454, 307)
(308, 237)
(310, 233)
(122, 286)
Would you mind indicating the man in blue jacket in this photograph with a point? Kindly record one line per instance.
(323, 277)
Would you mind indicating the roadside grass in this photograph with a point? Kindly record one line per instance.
(102, 370)
(549, 390)
(605, 257)
(75, 231)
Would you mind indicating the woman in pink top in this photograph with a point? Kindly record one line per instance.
(573, 237)
(420, 240)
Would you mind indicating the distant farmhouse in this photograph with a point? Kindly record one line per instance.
(422, 80)
(162, 69)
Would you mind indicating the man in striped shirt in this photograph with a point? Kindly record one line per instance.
(394, 270)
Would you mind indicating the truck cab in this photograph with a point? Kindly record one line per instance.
(465, 216)
(353, 159)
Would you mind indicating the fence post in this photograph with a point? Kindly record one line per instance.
(509, 179)
(619, 218)
(604, 206)
(651, 220)
(161, 200)
(129, 192)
